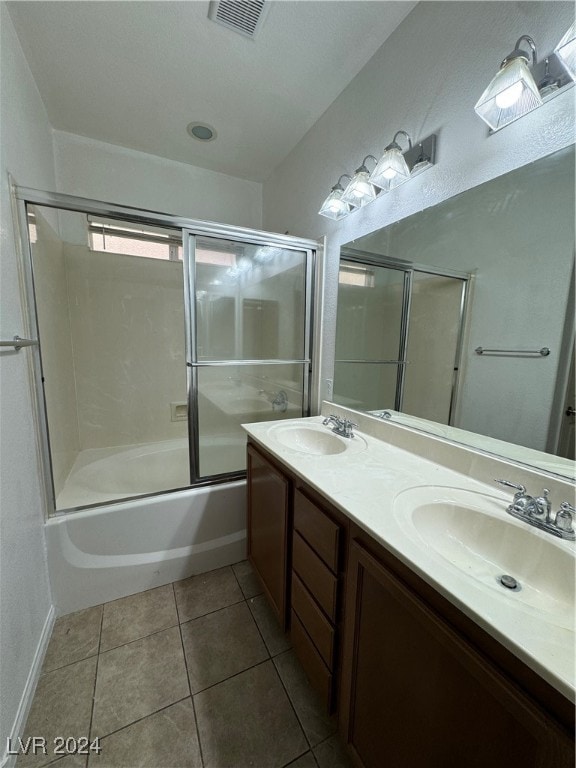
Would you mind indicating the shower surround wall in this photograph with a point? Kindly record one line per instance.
(127, 319)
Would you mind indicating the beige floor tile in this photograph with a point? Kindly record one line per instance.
(166, 739)
(138, 679)
(276, 641)
(331, 754)
(248, 721)
(206, 592)
(315, 721)
(75, 637)
(62, 706)
(221, 644)
(247, 579)
(138, 615)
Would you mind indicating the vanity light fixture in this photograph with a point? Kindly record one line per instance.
(566, 51)
(392, 168)
(520, 86)
(423, 161)
(396, 167)
(513, 91)
(334, 207)
(360, 189)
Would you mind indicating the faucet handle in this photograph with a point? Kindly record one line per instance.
(565, 517)
(520, 488)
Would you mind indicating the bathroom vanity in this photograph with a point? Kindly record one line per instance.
(361, 547)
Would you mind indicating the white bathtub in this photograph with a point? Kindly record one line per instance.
(114, 550)
(102, 475)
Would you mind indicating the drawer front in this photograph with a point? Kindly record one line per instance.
(317, 672)
(315, 575)
(318, 529)
(317, 626)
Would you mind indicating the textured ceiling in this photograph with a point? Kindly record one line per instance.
(136, 73)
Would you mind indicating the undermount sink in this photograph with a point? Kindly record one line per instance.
(471, 531)
(315, 440)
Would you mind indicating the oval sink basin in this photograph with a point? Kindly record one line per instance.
(315, 440)
(471, 531)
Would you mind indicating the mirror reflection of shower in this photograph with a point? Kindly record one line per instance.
(398, 335)
(118, 388)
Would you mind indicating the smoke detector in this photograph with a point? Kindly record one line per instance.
(243, 16)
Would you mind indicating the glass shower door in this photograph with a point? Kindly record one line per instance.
(369, 335)
(109, 303)
(434, 330)
(249, 357)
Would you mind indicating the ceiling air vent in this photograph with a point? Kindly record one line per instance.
(243, 16)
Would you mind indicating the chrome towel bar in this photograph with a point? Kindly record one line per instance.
(17, 342)
(544, 352)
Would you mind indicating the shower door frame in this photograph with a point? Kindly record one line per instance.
(192, 362)
(24, 196)
(357, 256)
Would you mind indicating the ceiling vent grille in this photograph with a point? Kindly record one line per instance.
(243, 16)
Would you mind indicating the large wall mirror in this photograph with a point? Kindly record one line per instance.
(459, 320)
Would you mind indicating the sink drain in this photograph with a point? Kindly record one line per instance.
(509, 582)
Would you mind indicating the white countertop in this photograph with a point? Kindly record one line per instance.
(365, 484)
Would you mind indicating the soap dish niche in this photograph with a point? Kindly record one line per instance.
(179, 411)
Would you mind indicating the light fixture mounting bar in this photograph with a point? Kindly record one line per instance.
(426, 148)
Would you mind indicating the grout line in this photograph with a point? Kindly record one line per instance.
(188, 678)
(258, 628)
(95, 682)
(136, 639)
(278, 653)
(300, 723)
(231, 677)
(68, 664)
(308, 752)
(185, 621)
(144, 717)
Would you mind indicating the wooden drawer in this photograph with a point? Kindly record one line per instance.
(319, 530)
(315, 575)
(317, 626)
(317, 672)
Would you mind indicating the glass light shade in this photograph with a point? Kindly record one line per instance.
(391, 169)
(334, 207)
(359, 191)
(511, 94)
(566, 51)
(422, 164)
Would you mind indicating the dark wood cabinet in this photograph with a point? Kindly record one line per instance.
(318, 573)
(416, 682)
(416, 694)
(269, 525)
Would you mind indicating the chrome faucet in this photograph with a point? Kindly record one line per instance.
(537, 511)
(342, 427)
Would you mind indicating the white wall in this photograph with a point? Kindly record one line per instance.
(425, 79)
(25, 600)
(100, 171)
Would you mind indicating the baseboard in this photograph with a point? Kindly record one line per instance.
(9, 761)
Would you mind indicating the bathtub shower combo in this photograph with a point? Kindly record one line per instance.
(158, 337)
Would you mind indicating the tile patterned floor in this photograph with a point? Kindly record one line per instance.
(195, 674)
